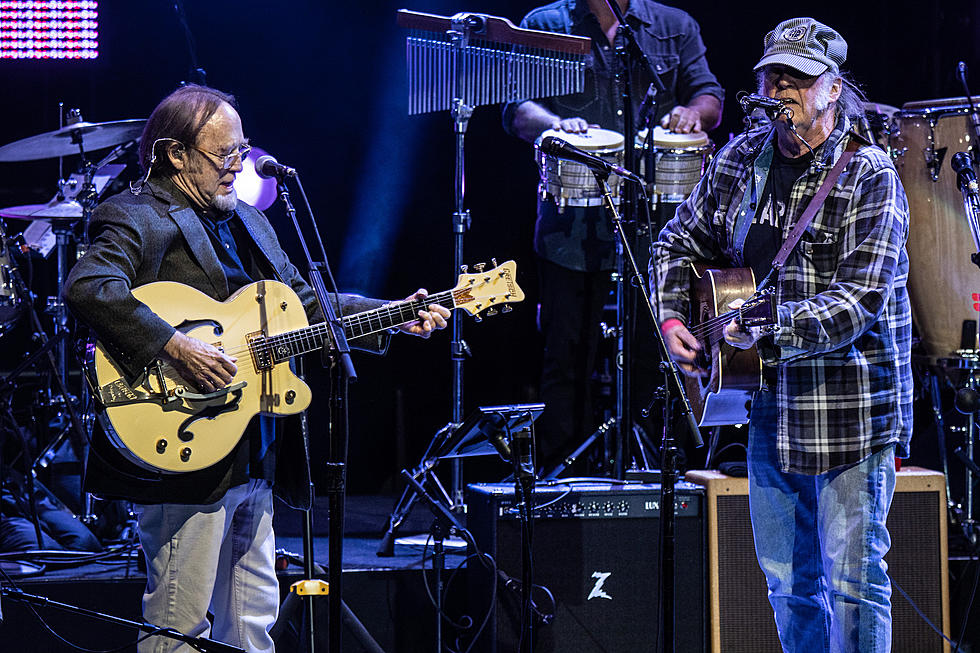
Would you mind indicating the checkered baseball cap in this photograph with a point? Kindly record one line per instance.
(806, 45)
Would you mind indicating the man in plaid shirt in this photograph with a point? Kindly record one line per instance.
(836, 407)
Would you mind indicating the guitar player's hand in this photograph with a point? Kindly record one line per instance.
(429, 321)
(204, 365)
(683, 347)
(738, 336)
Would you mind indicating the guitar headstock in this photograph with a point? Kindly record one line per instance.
(486, 289)
(759, 310)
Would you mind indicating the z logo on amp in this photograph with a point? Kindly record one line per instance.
(597, 591)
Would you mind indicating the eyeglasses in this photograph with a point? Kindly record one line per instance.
(227, 160)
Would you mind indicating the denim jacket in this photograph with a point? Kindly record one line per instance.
(580, 238)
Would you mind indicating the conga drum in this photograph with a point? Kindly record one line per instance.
(943, 281)
(680, 161)
(572, 184)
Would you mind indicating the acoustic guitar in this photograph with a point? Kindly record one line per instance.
(722, 397)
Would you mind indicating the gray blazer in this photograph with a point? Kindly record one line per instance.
(157, 236)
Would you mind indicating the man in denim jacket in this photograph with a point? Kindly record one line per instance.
(576, 246)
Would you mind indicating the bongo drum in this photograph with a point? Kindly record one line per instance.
(572, 184)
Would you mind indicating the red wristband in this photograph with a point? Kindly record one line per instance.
(670, 324)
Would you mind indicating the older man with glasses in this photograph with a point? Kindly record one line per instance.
(206, 535)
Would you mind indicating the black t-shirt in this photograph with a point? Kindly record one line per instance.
(765, 235)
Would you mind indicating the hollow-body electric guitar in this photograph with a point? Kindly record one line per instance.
(162, 423)
(722, 397)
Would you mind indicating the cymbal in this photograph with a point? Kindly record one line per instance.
(54, 210)
(93, 136)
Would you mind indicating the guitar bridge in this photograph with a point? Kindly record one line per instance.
(258, 348)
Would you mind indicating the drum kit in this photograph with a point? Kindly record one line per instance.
(58, 409)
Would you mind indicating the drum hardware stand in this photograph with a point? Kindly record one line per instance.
(676, 405)
(974, 115)
(626, 52)
(76, 429)
(964, 166)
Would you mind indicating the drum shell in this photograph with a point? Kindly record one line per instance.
(943, 281)
(678, 170)
(680, 160)
(571, 183)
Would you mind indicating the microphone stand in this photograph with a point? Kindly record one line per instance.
(624, 276)
(343, 373)
(676, 403)
(200, 643)
(974, 116)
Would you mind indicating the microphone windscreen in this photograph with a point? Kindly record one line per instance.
(260, 164)
(961, 162)
(552, 145)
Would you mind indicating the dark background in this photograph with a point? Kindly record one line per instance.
(321, 85)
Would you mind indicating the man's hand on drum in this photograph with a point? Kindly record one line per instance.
(573, 125)
(682, 120)
(683, 347)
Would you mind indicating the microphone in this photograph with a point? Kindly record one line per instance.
(966, 178)
(267, 167)
(967, 401)
(560, 149)
(771, 106)
(522, 446)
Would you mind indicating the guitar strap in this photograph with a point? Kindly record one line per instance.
(811, 209)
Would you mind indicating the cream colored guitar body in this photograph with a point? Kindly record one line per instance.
(163, 422)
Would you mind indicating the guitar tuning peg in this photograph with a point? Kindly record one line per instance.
(491, 312)
(505, 309)
(479, 266)
(477, 318)
(464, 268)
(494, 261)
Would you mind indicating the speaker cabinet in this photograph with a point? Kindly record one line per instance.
(741, 618)
(596, 548)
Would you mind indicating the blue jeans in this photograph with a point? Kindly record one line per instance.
(821, 541)
(218, 557)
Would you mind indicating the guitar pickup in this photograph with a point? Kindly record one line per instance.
(259, 350)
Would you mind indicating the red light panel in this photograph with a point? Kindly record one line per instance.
(49, 29)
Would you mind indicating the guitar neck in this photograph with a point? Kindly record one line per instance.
(311, 338)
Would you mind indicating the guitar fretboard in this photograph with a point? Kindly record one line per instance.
(283, 346)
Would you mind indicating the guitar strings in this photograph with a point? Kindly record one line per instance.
(406, 308)
(704, 328)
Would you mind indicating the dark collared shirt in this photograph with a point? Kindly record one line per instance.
(236, 251)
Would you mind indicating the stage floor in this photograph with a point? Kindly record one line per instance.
(387, 594)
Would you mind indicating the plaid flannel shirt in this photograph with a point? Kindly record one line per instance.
(842, 345)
